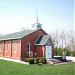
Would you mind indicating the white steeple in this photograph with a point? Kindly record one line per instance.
(37, 24)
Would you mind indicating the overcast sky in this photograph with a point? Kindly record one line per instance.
(53, 14)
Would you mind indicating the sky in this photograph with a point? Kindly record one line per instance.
(74, 15)
(53, 14)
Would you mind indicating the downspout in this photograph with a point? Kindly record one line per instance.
(4, 49)
(43, 51)
(11, 48)
(20, 49)
(29, 49)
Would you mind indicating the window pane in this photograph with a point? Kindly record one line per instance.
(0, 48)
(28, 47)
(15, 47)
(6, 47)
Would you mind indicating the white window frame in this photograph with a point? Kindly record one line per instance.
(28, 49)
(15, 47)
(6, 47)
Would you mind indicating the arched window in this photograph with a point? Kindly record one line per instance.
(28, 47)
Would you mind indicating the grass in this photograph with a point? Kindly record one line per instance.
(12, 68)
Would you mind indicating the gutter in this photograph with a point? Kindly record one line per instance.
(20, 49)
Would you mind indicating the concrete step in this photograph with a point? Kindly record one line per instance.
(53, 61)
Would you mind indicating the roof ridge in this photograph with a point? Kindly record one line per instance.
(18, 35)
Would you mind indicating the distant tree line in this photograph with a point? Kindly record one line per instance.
(64, 41)
(1, 34)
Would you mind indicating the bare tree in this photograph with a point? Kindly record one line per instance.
(62, 37)
(56, 38)
(1, 34)
(72, 41)
(65, 39)
(22, 29)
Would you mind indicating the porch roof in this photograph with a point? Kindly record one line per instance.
(41, 40)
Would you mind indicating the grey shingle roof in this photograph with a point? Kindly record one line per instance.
(41, 40)
(16, 35)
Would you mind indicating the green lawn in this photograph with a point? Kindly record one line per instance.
(12, 68)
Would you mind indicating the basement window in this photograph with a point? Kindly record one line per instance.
(15, 47)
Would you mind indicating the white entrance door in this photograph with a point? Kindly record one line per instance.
(48, 52)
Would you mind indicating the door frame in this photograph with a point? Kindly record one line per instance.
(48, 51)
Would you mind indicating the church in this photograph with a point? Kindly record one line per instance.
(27, 44)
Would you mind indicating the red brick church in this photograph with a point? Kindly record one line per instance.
(27, 44)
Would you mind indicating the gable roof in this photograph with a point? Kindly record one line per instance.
(42, 40)
(18, 35)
